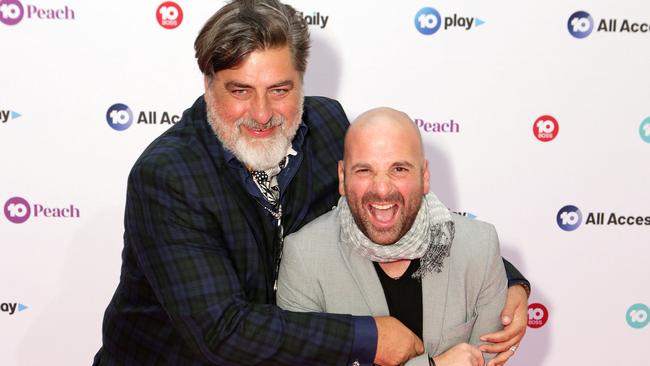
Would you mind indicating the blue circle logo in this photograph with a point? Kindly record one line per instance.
(119, 116)
(580, 24)
(638, 316)
(644, 130)
(569, 218)
(427, 21)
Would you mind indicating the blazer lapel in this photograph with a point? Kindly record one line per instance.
(434, 303)
(366, 280)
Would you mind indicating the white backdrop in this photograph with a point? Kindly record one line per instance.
(59, 155)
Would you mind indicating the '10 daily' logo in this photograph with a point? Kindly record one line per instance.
(428, 21)
(581, 24)
(570, 217)
(120, 117)
(18, 210)
(13, 11)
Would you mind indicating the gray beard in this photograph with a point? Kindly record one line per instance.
(255, 153)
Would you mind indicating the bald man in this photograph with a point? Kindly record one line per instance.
(391, 247)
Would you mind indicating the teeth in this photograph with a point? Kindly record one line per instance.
(382, 207)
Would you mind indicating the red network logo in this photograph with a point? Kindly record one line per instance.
(169, 15)
(545, 128)
(537, 315)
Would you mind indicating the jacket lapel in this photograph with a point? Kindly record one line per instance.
(366, 280)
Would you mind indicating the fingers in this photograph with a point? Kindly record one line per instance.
(419, 346)
(501, 358)
(502, 340)
(516, 298)
(477, 356)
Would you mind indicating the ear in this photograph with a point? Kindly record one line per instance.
(341, 169)
(425, 177)
(206, 82)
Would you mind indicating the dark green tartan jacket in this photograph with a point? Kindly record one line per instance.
(198, 259)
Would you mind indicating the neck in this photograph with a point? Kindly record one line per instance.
(395, 269)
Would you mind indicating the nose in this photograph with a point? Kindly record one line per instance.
(382, 185)
(260, 110)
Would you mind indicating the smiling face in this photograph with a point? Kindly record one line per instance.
(255, 108)
(383, 175)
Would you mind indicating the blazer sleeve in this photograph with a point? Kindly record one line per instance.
(199, 289)
(492, 295)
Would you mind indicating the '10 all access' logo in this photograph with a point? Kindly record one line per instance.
(18, 210)
(120, 117)
(12, 12)
(428, 21)
(581, 25)
(570, 217)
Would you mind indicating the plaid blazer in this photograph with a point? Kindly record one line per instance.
(198, 259)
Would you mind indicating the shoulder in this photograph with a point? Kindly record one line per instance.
(182, 147)
(317, 238)
(323, 112)
(473, 239)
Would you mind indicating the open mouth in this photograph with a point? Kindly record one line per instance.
(383, 214)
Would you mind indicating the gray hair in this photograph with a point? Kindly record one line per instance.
(244, 26)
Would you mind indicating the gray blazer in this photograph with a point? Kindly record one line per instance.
(320, 274)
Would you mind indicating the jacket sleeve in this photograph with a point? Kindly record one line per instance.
(196, 284)
(492, 295)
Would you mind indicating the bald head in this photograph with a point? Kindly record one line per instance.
(383, 173)
(384, 123)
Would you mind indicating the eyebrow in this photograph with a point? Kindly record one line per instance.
(397, 163)
(238, 85)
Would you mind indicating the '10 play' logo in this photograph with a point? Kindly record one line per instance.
(638, 316)
(546, 128)
(169, 15)
(428, 21)
(644, 130)
(537, 315)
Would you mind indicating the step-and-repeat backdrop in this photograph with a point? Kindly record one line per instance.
(535, 117)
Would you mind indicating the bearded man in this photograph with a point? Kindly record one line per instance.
(210, 201)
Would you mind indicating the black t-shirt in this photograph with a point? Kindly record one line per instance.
(404, 296)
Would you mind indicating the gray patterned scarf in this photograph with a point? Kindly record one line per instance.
(429, 238)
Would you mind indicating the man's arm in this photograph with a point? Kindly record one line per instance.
(514, 317)
(196, 283)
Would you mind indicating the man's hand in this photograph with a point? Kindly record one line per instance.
(396, 344)
(514, 318)
(462, 354)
